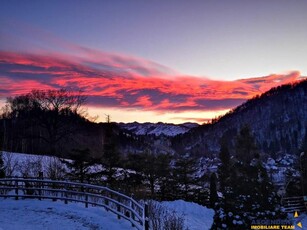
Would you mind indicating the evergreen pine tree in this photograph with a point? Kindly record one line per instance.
(165, 177)
(79, 165)
(133, 173)
(224, 168)
(213, 190)
(150, 170)
(303, 172)
(245, 145)
(184, 174)
(303, 165)
(111, 157)
(249, 194)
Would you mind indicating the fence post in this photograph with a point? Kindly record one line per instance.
(16, 189)
(54, 186)
(132, 212)
(118, 208)
(40, 176)
(146, 217)
(65, 195)
(106, 200)
(86, 197)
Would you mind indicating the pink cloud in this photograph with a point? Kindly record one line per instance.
(121, 81)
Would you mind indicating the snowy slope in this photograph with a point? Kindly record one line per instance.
(197, 217)
(35, 214)
(157, 128)
(21, 164)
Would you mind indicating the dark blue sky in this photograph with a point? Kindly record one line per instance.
(173, 60)
(217, 39)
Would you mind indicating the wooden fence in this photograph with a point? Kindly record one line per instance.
(292, 204)
(123, 206)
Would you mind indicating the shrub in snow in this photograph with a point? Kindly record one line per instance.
(163, 219)
(11, 163)
(55, 169)
(30, 167)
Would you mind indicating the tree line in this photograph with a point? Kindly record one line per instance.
(41, 121)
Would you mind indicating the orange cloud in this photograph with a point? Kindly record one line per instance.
(118, 81)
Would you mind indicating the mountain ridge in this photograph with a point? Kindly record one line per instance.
(277, 119)
(157, 129)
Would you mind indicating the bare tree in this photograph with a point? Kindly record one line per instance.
(11, 164)
(31, 167)
(54, 168)
(48, 115)
(60, 101)
(163, 219)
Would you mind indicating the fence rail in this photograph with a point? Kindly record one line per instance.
(123, 206)
(292, 204)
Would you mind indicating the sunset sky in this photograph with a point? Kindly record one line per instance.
(170, 61)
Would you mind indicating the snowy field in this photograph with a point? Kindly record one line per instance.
(35, 214)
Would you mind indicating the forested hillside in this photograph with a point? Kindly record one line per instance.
(277, 119)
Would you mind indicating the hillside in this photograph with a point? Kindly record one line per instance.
(277, 119)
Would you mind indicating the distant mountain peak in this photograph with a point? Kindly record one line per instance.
(158, 129)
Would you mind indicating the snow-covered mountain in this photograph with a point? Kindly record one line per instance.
(158, 129)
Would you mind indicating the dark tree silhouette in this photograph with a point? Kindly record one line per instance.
(248, 192)
(245, 145)
(111, 157)
(225, 167)
(2, 170)
(47, 115)
(79, 165)
(213, 190)
(184, 173)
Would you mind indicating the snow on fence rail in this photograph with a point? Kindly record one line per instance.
(121, 205)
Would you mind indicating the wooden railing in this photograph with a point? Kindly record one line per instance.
(123, 206)
(292, 204)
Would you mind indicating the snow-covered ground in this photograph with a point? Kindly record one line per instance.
(197, 217)
(50, 215)
(34, 214)
(304, 220)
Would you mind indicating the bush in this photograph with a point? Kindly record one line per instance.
(163, 219)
